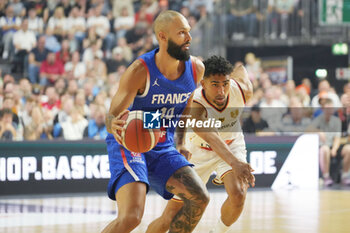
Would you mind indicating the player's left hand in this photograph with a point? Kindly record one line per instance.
(244, 174)
(185, 152)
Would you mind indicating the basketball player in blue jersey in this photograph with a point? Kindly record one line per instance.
(222, 96)
(163, 80)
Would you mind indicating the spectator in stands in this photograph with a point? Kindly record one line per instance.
(284, 9)
(329, 129)
(83, 6)
(24, 41)
(307, 84)
(88, 91)
(66, 6)
(7, 128)
(185, 11)
(35, 23)
(271, 20)
(52, 101)
(101, 99)
(241, 18)
(25, 114)
(9, 103)
(64, 54)
(41, 8)
(97, 70)
(118, 5)
(102, 27)
(64, 113)
(265, 81)
(302, 92)
(73, 128)
(35, 58)
(295, 122)
(90, 39)
(147, 46)
(50, 70)
(345, 153)
(58, 24)
(280, 94)
(116, 60)
(324, 87)
(77, 23)
(289, 89)
(80, 104)
(142, 16)
(127, 51)
(134, 37)
(26, 88)
(61, 86)
(346, 88)
(72, 88)
(254, 123)
(96, 128)
(51, 42)
(272, 109)
(36, 93)
(151, 7)
(76, 69)
(196, 34)
(9, 25)
(3, 5)
(18, 8)
(93, 50)
(123, 23)
(252, 64)
(39, 127)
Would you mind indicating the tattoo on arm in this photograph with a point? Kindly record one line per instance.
(109, 119)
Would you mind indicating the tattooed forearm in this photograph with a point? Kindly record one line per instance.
(109, 119)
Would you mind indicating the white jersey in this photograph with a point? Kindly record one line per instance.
(229, 116)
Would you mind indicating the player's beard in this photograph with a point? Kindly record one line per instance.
(176, 51)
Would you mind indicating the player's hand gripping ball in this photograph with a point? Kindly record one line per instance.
(135, 138)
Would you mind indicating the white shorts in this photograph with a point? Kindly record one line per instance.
(206, 162)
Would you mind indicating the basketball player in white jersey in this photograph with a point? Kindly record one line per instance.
(222, 96)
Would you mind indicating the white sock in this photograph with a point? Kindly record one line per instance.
(220, 227)
(326, 175)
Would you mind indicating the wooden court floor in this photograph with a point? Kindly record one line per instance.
(288, 211)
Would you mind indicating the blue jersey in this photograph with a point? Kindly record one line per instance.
(168, 96)
(156, 166)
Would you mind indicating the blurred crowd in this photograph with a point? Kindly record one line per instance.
(284, 108)
(68, 57)
(269, 18)
(279, 106)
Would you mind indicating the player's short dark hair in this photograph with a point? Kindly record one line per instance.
(217, 65)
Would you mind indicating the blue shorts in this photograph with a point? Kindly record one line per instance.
(153, 168)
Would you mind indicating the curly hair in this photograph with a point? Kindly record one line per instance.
(217, 65)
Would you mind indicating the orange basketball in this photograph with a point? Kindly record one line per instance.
(135, 138)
